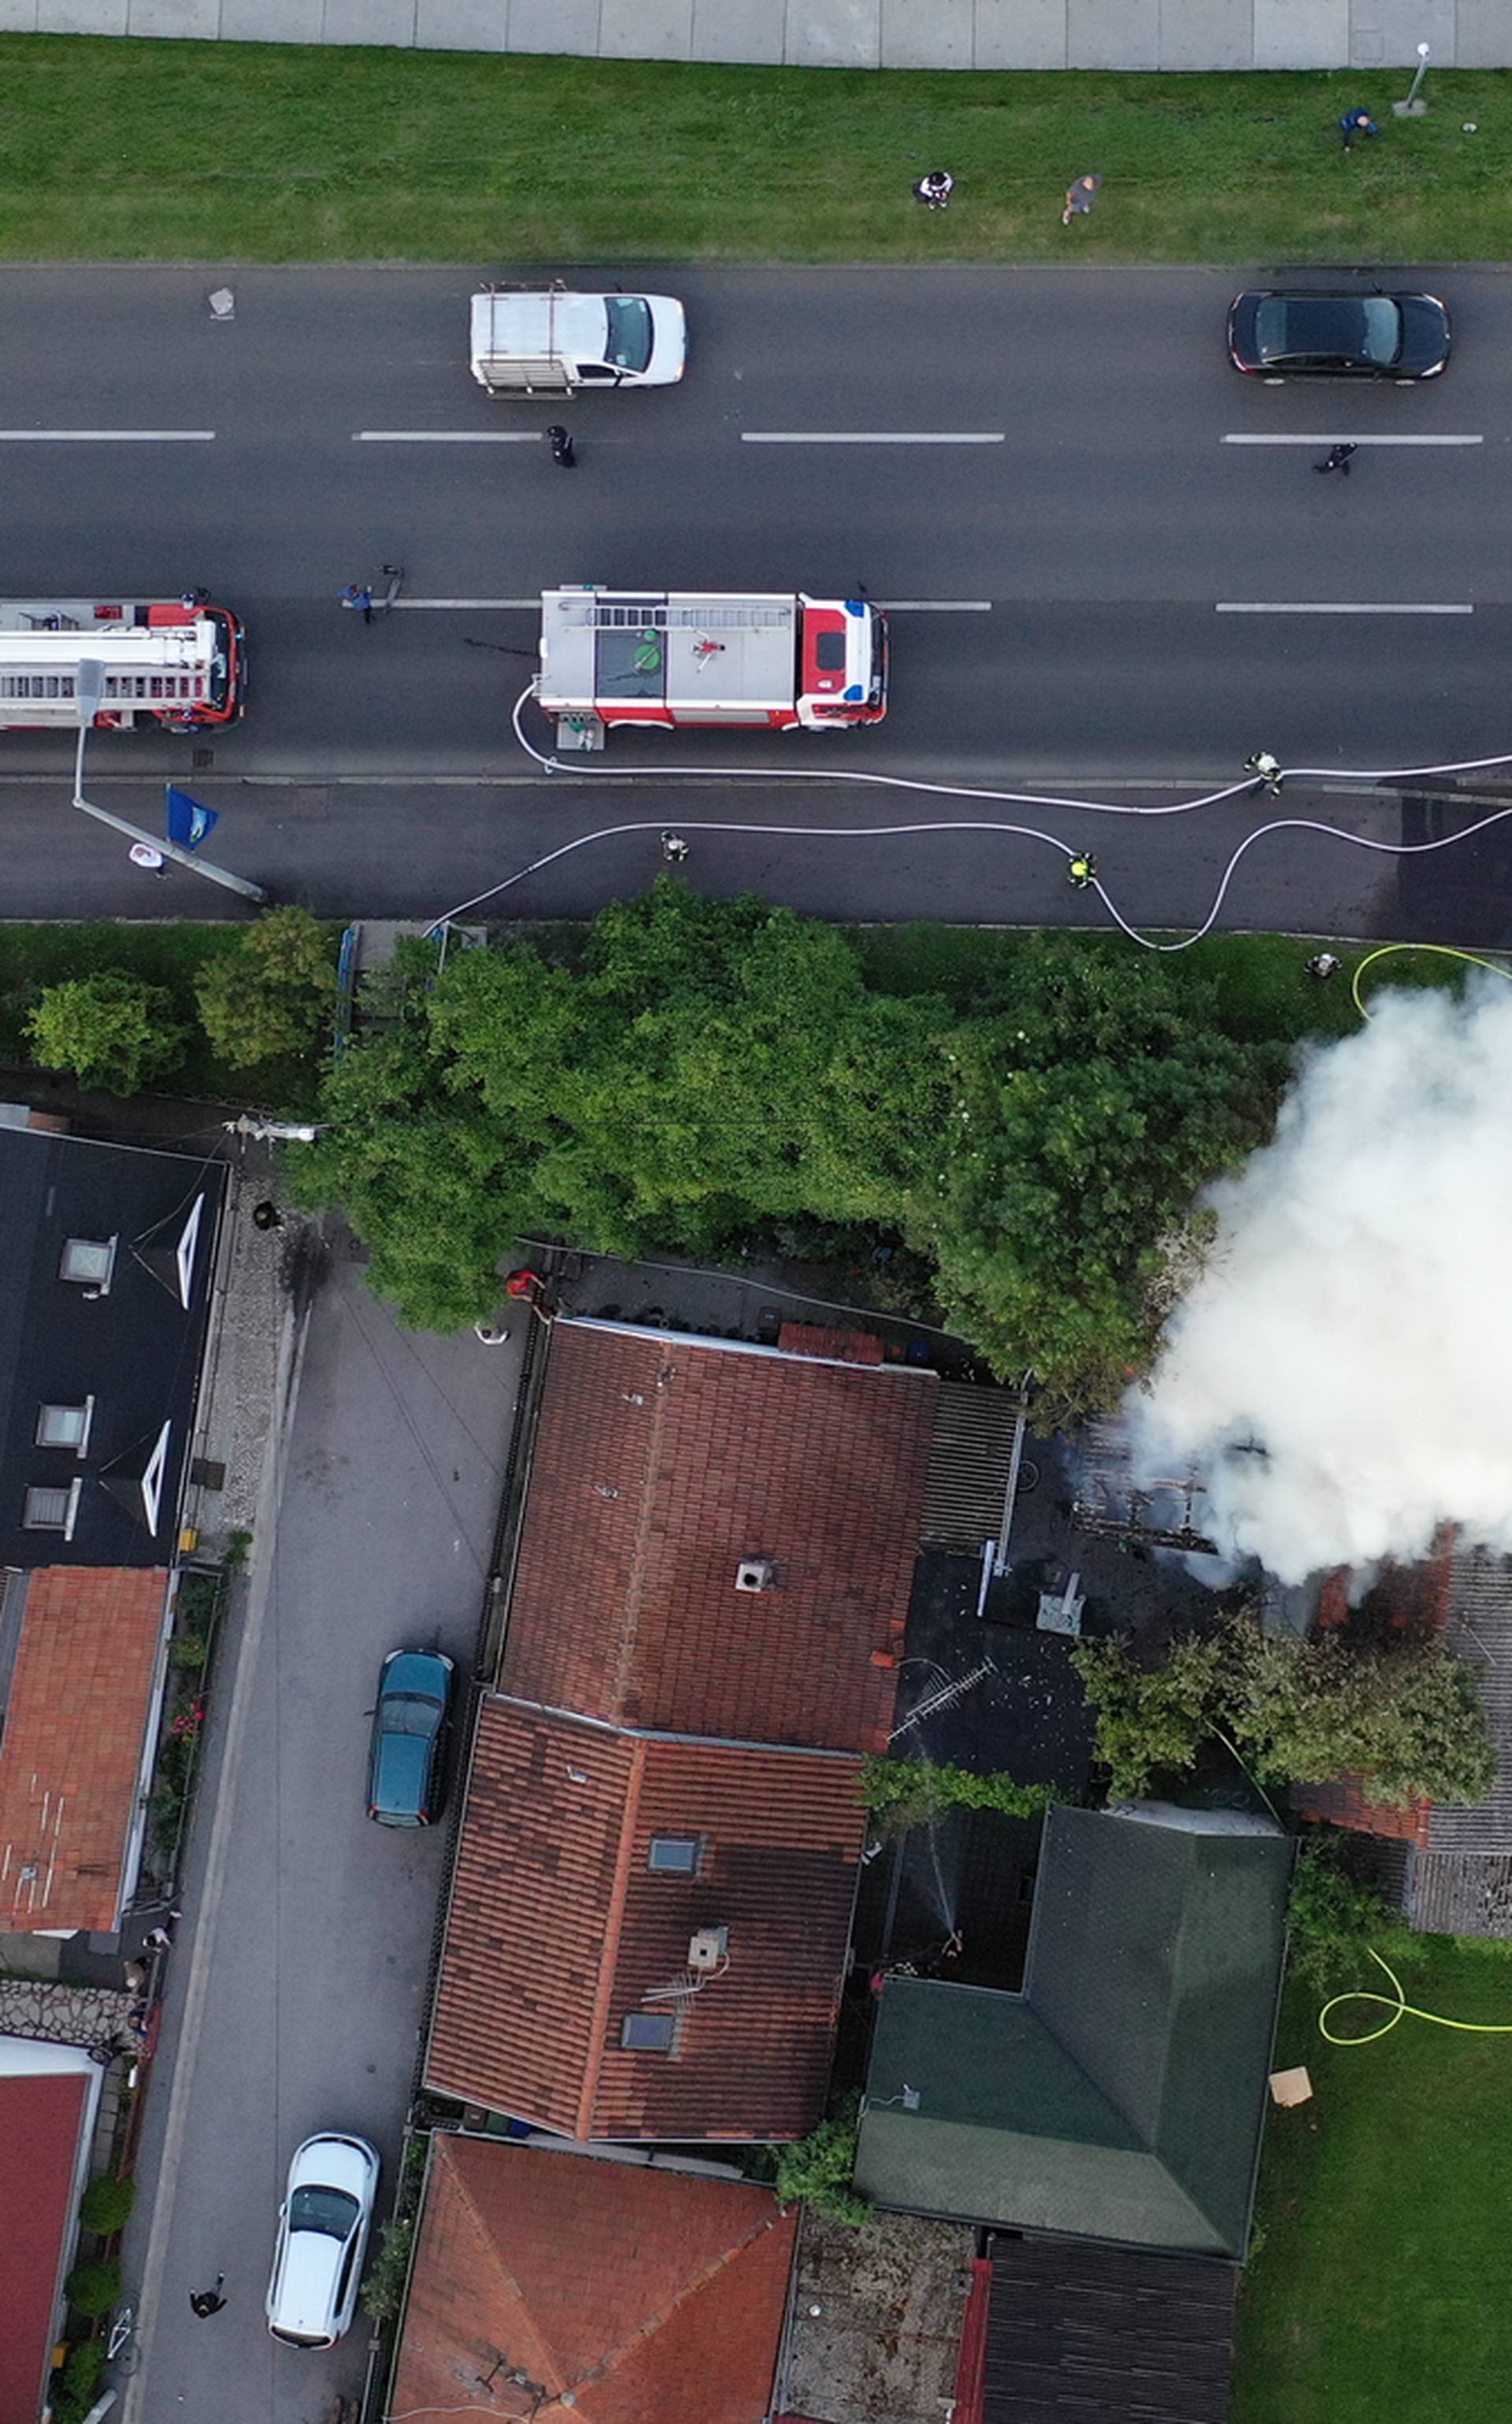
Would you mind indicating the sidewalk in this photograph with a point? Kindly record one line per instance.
(1173, 35)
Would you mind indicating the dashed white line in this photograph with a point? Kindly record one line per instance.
(1334, 437)
(446, 437)
(873, 437)
(1230, 606)
(105, 436)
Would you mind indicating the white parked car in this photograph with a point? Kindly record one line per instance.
(323, 2234)
(544, 340)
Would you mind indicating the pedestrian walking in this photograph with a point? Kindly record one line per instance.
(158, 1939)
(266, 1215)
(934, 191)
(560, 444)
(1356, 121)
(193, 599)
(204, 2303)
(1082, 870)
(1267, 768)
(358, 597)
(1324, 965)
(1337, 459)
(141, 854)
(673, 849)
(1079, 198)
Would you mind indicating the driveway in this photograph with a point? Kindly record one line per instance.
(298, 1991)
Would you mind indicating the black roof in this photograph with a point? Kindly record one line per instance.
(130, 1350)
(1086, 2334)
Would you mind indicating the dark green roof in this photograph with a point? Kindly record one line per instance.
(1121, 2094)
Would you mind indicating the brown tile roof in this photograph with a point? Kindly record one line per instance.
(72, 1750)
(650, 2295)
(558, 1927)
(661, 1462)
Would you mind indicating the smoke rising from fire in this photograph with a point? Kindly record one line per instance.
(1340, 1374)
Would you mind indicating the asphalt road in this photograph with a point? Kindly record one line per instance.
(1058, 590)
(298, 1984)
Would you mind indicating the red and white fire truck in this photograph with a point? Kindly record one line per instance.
(177, 662)
(679, 658)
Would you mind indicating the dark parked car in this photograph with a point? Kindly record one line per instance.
(409, 1725)
(1349, 334)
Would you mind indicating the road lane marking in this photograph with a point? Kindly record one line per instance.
(1332, 437)
(105, 436)
(510, 605)
(873, 437)
(446, 437)
(1228, 606)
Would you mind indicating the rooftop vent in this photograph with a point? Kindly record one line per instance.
(753, 1574)
(709, 1950)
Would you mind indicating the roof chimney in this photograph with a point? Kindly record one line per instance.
(754, 1574)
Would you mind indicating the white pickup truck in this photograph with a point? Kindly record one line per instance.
(544, 340)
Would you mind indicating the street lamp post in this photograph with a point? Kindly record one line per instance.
(89, 689)
(1413, 106)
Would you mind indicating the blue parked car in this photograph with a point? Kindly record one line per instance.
(405, 1786)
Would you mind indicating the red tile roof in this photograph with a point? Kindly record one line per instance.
(661, 1462)
(653, 2297)
(558, 1928)
(40, 2121)
(72, 1747)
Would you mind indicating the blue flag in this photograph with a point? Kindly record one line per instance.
(188, 822)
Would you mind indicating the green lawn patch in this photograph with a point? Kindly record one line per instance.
(117, 150)
(1378, 2286)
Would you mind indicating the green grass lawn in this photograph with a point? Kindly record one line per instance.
(1379, 2290)
(189, 150)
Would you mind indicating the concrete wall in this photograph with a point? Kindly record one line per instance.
(1139, 34)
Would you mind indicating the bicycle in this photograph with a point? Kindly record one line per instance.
(122, 2349)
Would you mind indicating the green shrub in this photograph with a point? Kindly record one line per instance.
(1333, 1922)
(187, 1650)
(903, 1793)
(93, 2287)
(275, 996)
(384, 2287)
(74, 2391)
(818, 2170)
(108, 2204)
(110, 1029)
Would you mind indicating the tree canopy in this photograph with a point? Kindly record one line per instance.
(696, 1072)
(1406, 1716)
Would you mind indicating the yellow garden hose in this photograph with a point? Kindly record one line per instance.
(1401, 2008)
(1445, 951)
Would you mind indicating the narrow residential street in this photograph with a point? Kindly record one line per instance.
(297, 1983)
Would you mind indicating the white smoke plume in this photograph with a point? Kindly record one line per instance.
(1355, 1321)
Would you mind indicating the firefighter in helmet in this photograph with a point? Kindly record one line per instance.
(1082, 870)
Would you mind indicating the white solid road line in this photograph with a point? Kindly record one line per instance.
(103, 436)
(447, 436)
(510, 605)
(873, 437)
(1226, 606)
(1333, 437)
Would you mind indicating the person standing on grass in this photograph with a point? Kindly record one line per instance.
(1356, 121)
(1079, 198)
(934, 191)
